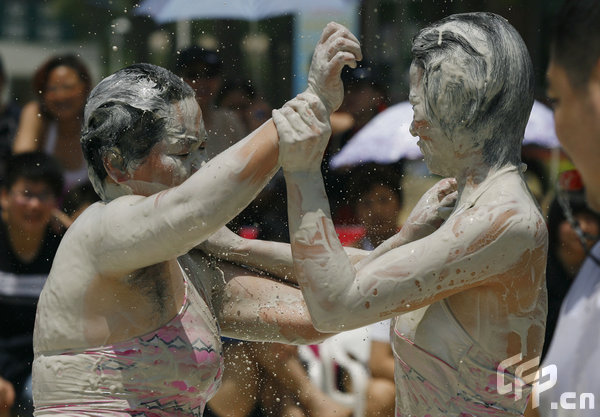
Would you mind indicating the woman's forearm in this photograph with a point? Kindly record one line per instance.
(324, 270)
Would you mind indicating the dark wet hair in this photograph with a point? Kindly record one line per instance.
(575, 44)
(492, 94)
(35, 166)
(126, 114)
(40, 78)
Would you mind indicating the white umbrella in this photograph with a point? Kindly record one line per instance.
(540, 127)
(164, 11)
(385, 139)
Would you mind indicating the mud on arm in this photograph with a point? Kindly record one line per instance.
(254, 307)
(478, 245)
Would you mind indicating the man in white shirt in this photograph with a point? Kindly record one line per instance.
(569, 382)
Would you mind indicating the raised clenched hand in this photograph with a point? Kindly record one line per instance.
(336, 48)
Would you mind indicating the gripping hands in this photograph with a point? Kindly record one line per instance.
(303, 122)
(336, 48)
(304, 130)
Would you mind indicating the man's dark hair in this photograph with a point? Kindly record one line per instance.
(575, 44)
(35, 166)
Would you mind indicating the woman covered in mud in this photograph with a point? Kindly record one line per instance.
(130, 319)
(467, 297)
(463, 281)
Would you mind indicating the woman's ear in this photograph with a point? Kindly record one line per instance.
(115, 166)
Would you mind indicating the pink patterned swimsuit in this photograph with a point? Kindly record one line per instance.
(172, 371)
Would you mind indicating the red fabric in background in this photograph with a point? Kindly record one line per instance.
(348, 234)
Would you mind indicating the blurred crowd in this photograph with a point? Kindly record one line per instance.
(44, 187)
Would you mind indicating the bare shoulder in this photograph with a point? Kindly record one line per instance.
(506, 206)
(94, 230)
(77, 248)
(503, 225)
(86, 226)
(104, 217)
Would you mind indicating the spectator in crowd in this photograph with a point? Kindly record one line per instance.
(237, 95)
(573, 76)
(52, 122)
(9, 120)
(377, 202)
(202, 69)
(240, 97)
(365, 97)
(259, 111)
(27, 246)
(265, 217)
(573, 88)
(536, 176)
(74, 202)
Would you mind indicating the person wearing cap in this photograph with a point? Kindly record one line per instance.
(202, 69)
